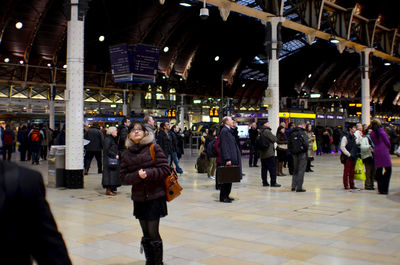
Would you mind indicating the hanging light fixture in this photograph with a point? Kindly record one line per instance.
(333, 40)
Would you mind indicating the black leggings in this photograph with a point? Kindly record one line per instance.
(150, 229)
(383, 179)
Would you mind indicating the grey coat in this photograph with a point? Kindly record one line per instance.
(272, 140)
(110, 176)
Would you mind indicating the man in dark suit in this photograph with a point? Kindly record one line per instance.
(230, 155)
(94, 148)
(27, 227)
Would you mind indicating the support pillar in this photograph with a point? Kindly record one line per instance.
(52, 96)
(272, 92)
(74, 100)
(365, 86)
(182, 113)
(125, 103)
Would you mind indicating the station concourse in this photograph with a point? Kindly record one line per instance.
(75, 64)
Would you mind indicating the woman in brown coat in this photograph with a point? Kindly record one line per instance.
(148, 191)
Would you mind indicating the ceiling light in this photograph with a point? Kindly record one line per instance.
(65, 66)
(333, 40)
(315, 95)
(101, 38)
(163, 77)
(243, 85)
(19, 25)
(181, 79)
(216, 58)
(310, 75)
(185, 4)
(49, 64)
(6, 60)
(387, 64)
(166, 49)
(21, 62)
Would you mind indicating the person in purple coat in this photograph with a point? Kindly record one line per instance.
(382, 156)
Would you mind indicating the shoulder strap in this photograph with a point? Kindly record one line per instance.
(153, 153)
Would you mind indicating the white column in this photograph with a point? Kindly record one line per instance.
(272, 96)
(365, 87)
(51, 106)
(74, 94)
(125, 103)
(182, 113)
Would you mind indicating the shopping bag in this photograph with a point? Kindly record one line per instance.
(359, 171)
(314, 145)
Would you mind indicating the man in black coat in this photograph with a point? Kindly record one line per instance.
(230, 155)
(27, 227)
(94, 148)
(165, 141)
(123, 134)
(253, 133)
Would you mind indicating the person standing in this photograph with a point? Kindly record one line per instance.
(230, 155)
(149, 125)
(281, 148)
(267, 156)
(123, 134)
(211, 154)
(367, 149)
(110, 178)
(289, 156)
(382, 156)
(148, 191)
(8, 138)
(253, 133)
(22, 138)
(298, 146)
(94, 148)
(173, 134)
(46, 141)
(27, 226)
(165, 141)
(349, 148)
(310, 152)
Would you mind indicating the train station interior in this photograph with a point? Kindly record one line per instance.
(70, 65)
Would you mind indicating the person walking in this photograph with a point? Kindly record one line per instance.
(281, 149)
(310, 152)
(253, 156)
(94, 148)
(298, 146)
(36, 137)
(8, 139)
(229, 155)
(267, 157)
(367, 155)
(173, 134)
(110, 177)
(148, 191)
(382, 156)
(27, 226)
(349, 149)
(123, 134)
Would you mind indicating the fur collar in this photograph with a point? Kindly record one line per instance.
(147, 139)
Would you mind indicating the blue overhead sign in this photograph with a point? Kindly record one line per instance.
(134, 63)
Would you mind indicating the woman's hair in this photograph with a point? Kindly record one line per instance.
(375, 125)
(138, 125)
(279, 129)
(308, 125)
(111, 129)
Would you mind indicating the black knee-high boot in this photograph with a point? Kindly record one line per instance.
(157, 247)
(148, 250)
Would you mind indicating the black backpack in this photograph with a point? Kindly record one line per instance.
(297, 142)
(262, 142)
(210, 149)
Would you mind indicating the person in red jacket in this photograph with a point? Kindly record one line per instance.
(148, 191)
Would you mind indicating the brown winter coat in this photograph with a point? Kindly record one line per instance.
(138, 157)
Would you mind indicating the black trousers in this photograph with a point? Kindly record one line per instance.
(7, 149)
(22, 152)
(253, 158)
(88, 159)
(383, 179)
(224, 189)
(268, 164)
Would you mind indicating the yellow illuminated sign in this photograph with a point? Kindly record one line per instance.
(297, 115)
(352, 105)
(358, 105)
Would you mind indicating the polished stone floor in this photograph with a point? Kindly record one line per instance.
(325, 225)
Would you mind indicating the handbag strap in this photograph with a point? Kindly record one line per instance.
(153, 153)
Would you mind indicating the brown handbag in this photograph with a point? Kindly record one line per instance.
(172, 187)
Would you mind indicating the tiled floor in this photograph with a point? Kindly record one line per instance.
(325, 225)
